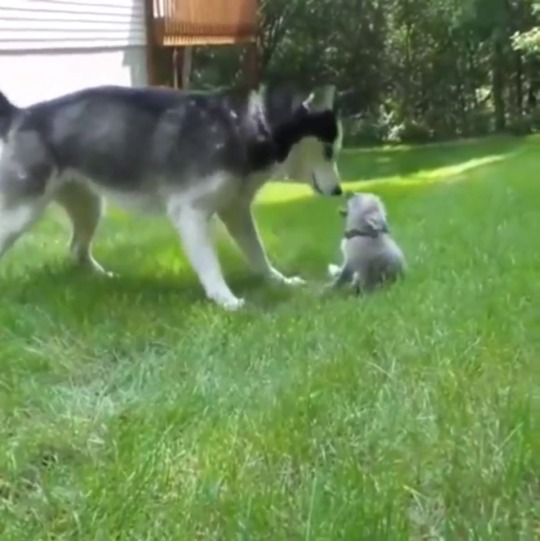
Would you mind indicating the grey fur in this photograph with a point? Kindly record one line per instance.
(371, 257)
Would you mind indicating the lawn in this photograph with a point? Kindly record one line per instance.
(132, 409)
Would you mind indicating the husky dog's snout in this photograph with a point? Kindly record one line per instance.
(314, 184)
(336, 190)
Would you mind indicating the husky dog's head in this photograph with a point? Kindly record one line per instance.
(365, 212)
(313, 158)
(306, 134)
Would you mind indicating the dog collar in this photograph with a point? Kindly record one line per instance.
(351, 233)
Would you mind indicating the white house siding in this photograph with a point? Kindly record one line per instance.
(50, 47)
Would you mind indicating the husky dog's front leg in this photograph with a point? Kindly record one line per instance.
(194, 229)
(238, 220)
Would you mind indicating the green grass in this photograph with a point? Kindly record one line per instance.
(132, 409)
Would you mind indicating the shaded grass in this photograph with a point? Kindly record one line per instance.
(132, 409)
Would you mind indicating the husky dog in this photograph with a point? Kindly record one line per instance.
(188, 155)
(371, 257)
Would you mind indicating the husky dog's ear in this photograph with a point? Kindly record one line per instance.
(255, 102)
(328, 96)
(324, 98)
(308, 102)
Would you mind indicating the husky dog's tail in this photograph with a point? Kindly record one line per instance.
(7, 113)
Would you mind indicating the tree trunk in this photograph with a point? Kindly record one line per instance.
(497, 83)
(186, 67)
(251, 66)
(518, 83)
(534, 85)
(407, 75)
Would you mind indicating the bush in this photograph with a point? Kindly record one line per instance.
(525, 124)
(520, 126)
(480, 123)
(410, 131)
(367, 129)
(534, 117)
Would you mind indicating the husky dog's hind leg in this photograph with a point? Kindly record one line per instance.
(24, 174)
(16, 217)
(84, 209)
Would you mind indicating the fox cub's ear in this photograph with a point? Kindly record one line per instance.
(375, 223)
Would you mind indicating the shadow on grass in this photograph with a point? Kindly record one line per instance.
(375, 163)
(76, 297)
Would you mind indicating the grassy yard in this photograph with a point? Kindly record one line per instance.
(131, 409)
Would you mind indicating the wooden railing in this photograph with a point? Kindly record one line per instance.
(180, 23)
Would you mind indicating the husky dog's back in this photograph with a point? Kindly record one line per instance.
(189, 155)
(133, 139)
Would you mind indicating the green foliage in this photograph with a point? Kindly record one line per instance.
(520, 126)
(528, 42)
(438, 68)
(410, 131)
(367, 130)
(526, 124)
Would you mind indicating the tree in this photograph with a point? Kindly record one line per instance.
(405, 69)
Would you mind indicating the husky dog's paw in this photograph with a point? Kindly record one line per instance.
(287, 280)
(293, 281)
(333, 270)
(104, 272)
(234, 304)
(230, 303)
(93, 267)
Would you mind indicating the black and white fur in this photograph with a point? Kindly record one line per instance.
(371, 257)
(188, 155)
